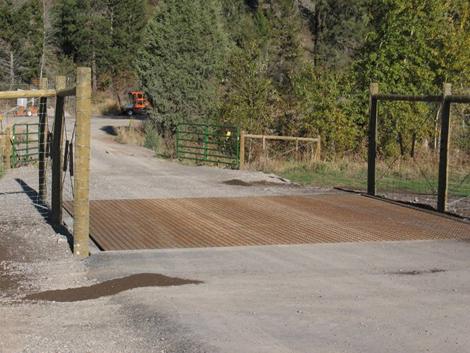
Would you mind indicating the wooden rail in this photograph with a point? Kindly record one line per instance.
(313, 140)
(38, 93)
(35, 93)
(427, 98)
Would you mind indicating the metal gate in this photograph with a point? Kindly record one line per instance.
(25, 144)
(215, 144)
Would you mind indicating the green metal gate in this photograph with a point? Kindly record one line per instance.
(25, 144)
(215, 144)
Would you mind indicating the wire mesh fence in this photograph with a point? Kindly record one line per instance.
(407, 166)
(68, 148)
(30, 140)
(23, 186)
(459, 161)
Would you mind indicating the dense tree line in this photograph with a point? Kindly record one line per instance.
(47, 37)
(299, 67)
(303, 67)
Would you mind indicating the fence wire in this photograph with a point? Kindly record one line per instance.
(68, 149)
(19, 190)
(407, 166)
(459, 161)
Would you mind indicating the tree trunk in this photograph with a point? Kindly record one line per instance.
(413, 145)
(12, 68)
(400, 142)
(43, 55)
(93, 71)
(116, 92)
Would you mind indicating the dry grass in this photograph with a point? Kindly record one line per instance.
(105, 104)
(133, 134)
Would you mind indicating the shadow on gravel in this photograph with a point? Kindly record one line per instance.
(110, 130)
(43, 210)
(33, 195)
(110, 287)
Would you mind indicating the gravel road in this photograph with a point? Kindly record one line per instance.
(351, 297)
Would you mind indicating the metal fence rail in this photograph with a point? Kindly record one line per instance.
(25, 144)
(204, 143)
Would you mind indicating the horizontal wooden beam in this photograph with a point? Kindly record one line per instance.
(27, 94)
(66, 92)
(37, 93)
(399, 97)
(286, 138)
(458, 99)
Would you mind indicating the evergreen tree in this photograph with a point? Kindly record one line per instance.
(21, 38)
(126, 20)
(181, 61)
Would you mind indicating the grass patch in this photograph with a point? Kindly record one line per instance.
(326, 174)
(164, 146)
(403, 177)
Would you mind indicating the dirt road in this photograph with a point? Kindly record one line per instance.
(351, 297)
(124, 171)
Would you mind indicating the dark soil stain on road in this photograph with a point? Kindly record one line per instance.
(238, 182)
(417, 272)
(110, 287)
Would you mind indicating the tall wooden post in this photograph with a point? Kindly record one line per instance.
(372, 153)
(42, 114)
(444, 150)
(81, 209)
(242, 149)
(56, 152)
(7, 149)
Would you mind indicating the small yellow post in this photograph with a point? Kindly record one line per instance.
(81, 209)
(242, 149)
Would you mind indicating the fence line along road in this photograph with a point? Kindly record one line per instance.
(314, 140)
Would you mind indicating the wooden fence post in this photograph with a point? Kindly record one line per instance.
(318, 149)
(444, 150)
(7, 149)
(56, 152)
(242, 149)
(372, 152)
(42, 114)
(81, 210)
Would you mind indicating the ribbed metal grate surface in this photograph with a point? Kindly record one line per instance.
(213, 222)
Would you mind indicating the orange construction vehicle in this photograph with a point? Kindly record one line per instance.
(138, 103)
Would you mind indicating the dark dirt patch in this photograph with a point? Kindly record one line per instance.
(417, 272)
(110, 287)
(238, 182)
(8, 281)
